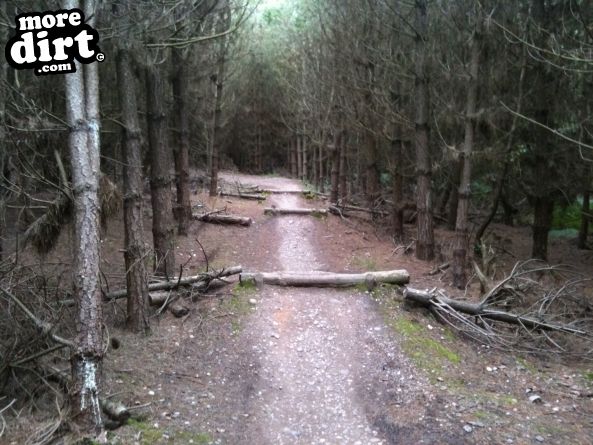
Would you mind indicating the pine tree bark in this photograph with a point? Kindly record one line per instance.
(462, 225)
(585, 217)
(543, 209)
(293, 158)
(180, 83)
(299, 150)
(424, 220)
(397, 188)
(82, 109)
(223, 24)
(343, 189)
(305, 161)
(335, 167)
(453, 203)
(163, 234)
(134, 253)
(3, 139)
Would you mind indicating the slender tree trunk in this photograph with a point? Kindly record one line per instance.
(585, 217)
(224, 21)
(82, 107)
(299, 153)
(454, 195)
(342, 179)
(293, 158)
(498, 190)
(3, 139)
(180, 83)
(462, 226)
(314, 176)
(397, 188)
(543, 209)
(425, 237)
(134, 253)
(163, 234)
(304, 147)
(321, 177)
(217, 136)
(335, 168)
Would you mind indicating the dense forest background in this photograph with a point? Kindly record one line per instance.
(424, 114)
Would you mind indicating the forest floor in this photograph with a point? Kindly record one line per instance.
(323, 366)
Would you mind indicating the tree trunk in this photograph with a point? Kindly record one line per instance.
(425, 237)
(223, 23)
(216, 137)
(327, 279)
(453, 204)
(397, 189)
(543, 208)
(585, 216)
(299, 150)
(180, 83)
(305, 163)
(293, 158)
(82, 107)
(3, 139)
(163, 234)
(321, 177)
(335, 167)
(134, 253)
(342, 178)
(462, 225)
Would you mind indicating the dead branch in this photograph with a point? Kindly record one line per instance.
(43, 327)
(431, 298)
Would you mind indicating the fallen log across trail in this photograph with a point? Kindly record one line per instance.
(291, 211)
(252, 196)
(439, 300)
(326, 279)
(223, 219)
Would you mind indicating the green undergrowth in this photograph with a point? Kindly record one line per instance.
(151, 435)
(238, 305)
(588, 376)
(365, 264)
(428, 349)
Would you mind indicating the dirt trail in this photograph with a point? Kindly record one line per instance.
(323, 355)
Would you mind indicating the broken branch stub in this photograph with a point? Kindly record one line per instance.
(326, 279)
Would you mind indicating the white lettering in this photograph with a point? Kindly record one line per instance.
(28, 45)
(83, 39)
(60, 44)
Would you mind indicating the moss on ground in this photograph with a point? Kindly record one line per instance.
(151, 435)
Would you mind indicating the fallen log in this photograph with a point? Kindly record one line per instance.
(428, 299)
(255, 197)
(313, 212)
(223, 219)
(340, 209)
(326, 279)
(173, 283)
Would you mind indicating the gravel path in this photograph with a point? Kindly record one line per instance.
(326, 363)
